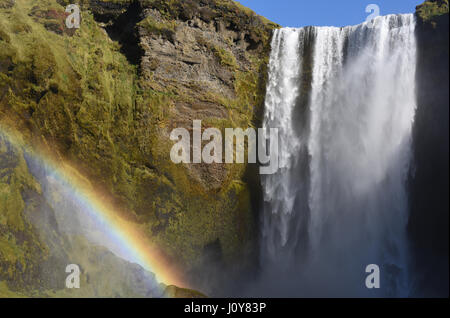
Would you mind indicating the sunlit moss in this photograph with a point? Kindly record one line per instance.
(165, 29)
(432, 8)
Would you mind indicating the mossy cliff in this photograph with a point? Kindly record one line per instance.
(429, 187)
(107, 95)
(34, 250)
(21, 251)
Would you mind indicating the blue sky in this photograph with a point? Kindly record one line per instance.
(298, 13)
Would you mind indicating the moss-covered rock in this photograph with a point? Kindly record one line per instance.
(106, 96)
(176, 292)
(21, 251)
(430, 9)
(34, 250)
(7, 4)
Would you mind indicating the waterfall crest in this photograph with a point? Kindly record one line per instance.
(343, 100)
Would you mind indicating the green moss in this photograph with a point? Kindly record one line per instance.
(431, 9)
(6, 4)
(225, 57)
(165, 29)
(4, 36)
(5, 292)
(176, 292)
(20, 248)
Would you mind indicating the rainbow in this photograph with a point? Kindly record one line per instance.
(130, 237)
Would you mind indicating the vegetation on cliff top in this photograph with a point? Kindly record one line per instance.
(431, 9)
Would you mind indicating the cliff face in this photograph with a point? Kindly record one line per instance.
(35, 250)
(105, 98)
(429, 186)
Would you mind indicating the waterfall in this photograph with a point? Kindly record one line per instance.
(343, 100)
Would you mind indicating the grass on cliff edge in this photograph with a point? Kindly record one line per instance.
(432, 8)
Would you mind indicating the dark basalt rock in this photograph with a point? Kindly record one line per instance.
(429, 181)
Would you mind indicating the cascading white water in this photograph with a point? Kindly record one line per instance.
(282, 94)
(339, 201)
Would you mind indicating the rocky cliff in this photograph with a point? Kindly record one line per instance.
(429, 187)
(105, 98)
